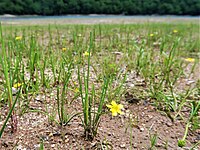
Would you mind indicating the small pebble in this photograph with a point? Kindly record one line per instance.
(66, 140)
(53, 145)
(141, 129)
(159, 145)
(169, 124)
(109, 133)
(73, 141)
(123, 145)
(93, 144)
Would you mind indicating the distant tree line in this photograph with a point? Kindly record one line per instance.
(126, 7)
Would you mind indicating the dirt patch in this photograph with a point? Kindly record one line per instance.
(130, 131)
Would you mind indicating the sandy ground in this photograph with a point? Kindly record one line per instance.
(103, 20)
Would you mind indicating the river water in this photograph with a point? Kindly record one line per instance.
(10, 17)
(93, 19)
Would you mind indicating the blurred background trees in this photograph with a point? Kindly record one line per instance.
(126, 7)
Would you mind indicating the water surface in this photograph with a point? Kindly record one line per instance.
(13, 18)
(93, 19)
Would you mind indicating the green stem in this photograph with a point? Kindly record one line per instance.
(9, 115)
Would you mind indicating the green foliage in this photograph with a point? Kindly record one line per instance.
(127, 7)
(91, 113)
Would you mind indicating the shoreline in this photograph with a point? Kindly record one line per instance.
(94, 19)
(97, 15)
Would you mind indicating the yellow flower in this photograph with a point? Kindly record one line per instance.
(75, 83)
(79, 35)
(86, 53)
(175, 31)
(151, 34)
(115, 108)
(17, 85)
(64, 48)
(76, 90)
(190, 59)
(18, 38)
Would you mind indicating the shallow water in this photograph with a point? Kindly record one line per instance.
(94, 19)
(14, 18)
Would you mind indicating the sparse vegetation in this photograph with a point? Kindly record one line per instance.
(57, 80)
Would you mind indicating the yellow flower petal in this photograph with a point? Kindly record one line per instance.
(109, 106)
(76, 90)
(64, 48)
(120, 106)
(114, 113)
(190, 59)
(120, 112)
(75, 83)
(17, 85)
(86, 53)
(151, 34)
(175, 31)
(113, 103)
(18, 38)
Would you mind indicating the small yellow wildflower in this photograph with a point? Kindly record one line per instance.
(18, 38)
(115, 108)
(64, 48)
(17, 85)
(86, 53)
(151, 35)
(190, 59)
(79, 35)
(175, 31)
(76, 90)
(75, 83)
